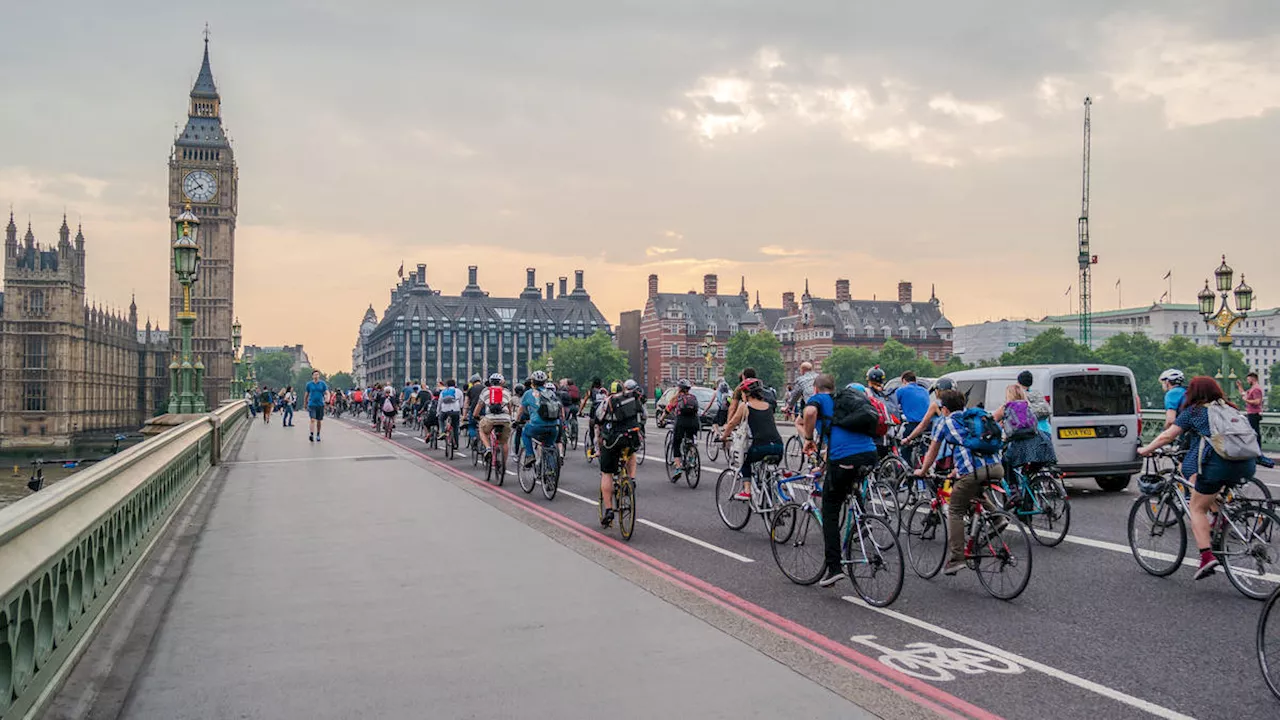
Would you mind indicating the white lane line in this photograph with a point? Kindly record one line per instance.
(1103, 690)
(307, 459)
(704, 467)
(1126, 550)
(669, 531)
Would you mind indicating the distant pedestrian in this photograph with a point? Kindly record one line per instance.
(264, 402)
(253, 402)
(1253, 398)
(286, 403)
(315, 393)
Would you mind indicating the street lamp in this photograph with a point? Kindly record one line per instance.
(1224, 318)
(186, 395)
(709, 353)
(551, 368)
(237, 389)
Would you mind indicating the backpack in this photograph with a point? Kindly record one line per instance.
(624, 409)
(1022, 420)
(388, 407)
(549, 404)
(497, 400)
(854, 412)
(1230, 434)
(574, 394)
(687, 405)
(450, 400)
(883, 418)
(982, 434)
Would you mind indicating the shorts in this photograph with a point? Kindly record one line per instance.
(1219, 474)
(502, 426)
(611, 450)
(316, 412)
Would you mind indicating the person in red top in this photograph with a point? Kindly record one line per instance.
(1253, 401)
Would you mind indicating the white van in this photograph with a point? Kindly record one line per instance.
(1096, 420)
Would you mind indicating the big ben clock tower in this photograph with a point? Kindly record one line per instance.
(202, 170)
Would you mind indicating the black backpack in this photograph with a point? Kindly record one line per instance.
(853, 412)
(624, 410)
(688, 405)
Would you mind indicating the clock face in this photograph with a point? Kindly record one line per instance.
(199, 186)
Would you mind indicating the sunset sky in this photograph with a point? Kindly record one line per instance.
(934, 142)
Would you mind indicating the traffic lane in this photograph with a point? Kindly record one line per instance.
(825, 612)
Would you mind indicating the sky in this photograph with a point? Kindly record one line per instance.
(934, 142)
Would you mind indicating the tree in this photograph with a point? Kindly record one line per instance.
(1141, 354)
(761, 351)
(895, 358)
(586, 358)
(849, 364)
(301, 377)
(273, 369)
(1273, 397)
(341, 381)
(953, 364)
(1050, 347)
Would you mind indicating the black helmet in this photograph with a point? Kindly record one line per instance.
(684, 384)
(876, 375)
(944, 384)
(518, 390)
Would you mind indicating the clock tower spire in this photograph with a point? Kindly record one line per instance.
(202, 171)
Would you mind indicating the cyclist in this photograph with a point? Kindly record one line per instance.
(1026, 445)
(622, 415)
(518, 418)
(684, 408)
(541, 405)
(450, 407)
(815, 423)
(757, 412)
(430, 413)
(803, 388)
(1172, 381)
(1207, 472)
(973, 471)
(388, 405)
(592, 402)
(931, 415)
(495, 400)
(474, 388)
(875, 389)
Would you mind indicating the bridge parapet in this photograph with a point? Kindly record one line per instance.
(66, 551)
(1153, 423)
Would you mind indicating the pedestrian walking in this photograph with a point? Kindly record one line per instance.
(264, 402)
(315, 392)
(1253, 398)
(286, 403)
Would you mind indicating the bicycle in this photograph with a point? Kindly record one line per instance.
(869, 548)
(1244, 534)
(713, 442)
(624, 493)
(497, 461)
(1268, 642)
(388, 424)
(991, 548)
(640, 451)
(690, 461)
(793, 457)
(1040, 502)
(450, 439)
(764, 500)
(545, 470)
(571, 431)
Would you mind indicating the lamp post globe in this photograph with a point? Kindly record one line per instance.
(1206, 298)
(1224, 318)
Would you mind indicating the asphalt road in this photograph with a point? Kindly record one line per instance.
(1093, 636)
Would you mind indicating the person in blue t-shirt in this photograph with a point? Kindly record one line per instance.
(1172, 381)
(315, 393)
(913, 398)
(850, 456)
(545, 431)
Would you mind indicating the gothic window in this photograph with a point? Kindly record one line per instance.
(36, 357)
(35, 302)
(34, 397)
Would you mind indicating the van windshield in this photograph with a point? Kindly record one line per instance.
(1092, 394)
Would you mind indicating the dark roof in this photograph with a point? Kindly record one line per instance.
(847, 319)
(434, 311)
(729, 313)
(204, 87)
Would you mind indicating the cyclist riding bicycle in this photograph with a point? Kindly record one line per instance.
(450, 407)
(684, 408)
(541, 405)
(757, 412)
(621, 416)
(388, 405)
(875, 389)
(518, 418)
(592, 402)
(931, 416)
(814, 424)
(1172, 381)
(474, 388)
(495, 400)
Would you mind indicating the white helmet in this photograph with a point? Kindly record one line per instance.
(1173, 377)
(496, 378)
(539, 376)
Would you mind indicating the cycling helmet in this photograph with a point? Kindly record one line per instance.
(615, 387)
(857, 386)
(496, 379)
(519, 389)
(475, 378)
(538, 376)
(1150, 483)
(944, 384)
(684, 384)
(1173, 377)
(630, 385)
(876, 375)
(723, 387)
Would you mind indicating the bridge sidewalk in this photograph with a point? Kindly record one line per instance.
(343, 579)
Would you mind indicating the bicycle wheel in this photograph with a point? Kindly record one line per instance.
(926, 530)
(1051, 515)
(1157, 534)
(1268, 642)
(640, 451)
(528, 476)
(500, 466)
(692, 465)
(1251, 550)
(796, 542)
(882, 502)
(873, 560)
(1252, 490)
(713, 443)
(550, 473)
(793, 454)
(893, 472)
(626, 507)
(473, 448)
(735, 513)
(669, 458)
(1002, 555)
(573, 434)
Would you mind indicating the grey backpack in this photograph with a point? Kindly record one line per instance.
(1230, 434)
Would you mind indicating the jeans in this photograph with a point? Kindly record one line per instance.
(844, 476)
(546, 434)
(963, 493)
(288, 414)
(756, 453)
(1255, 422)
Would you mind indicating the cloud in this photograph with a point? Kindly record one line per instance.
(659, 251)
(672, 234)
(778, 251)
(947, 104)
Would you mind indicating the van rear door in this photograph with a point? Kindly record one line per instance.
(1095, 421)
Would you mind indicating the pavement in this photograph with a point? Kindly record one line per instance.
(1093, 636)
(354, 577)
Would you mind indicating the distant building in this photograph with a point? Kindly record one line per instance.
(628, 341)
(295, 353)
(359, 367)
(68, 370)
(427, 336)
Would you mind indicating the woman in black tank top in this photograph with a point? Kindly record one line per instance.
(765, 439)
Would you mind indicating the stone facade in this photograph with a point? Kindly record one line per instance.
(202, 169)
(69, 370)
(295, 353)
(359, 367)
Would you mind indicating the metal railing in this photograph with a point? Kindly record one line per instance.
(1153, 423)
(67, 550)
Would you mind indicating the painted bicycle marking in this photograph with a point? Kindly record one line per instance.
(934, 663)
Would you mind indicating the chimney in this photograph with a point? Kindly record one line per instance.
(564, 286)
(471, 274)
(413, 277)
(422, 273)
(904, 292)
(789, 303)
(529, 278)
(842, 291)
(653, 285)
(551, 291)
(577, 281)
(709, 285)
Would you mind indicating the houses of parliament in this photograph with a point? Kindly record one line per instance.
(70, 371)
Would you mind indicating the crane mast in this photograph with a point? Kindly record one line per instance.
(1086, 258)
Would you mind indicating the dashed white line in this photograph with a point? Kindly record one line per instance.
(1126, 550)
(669, 531)
(1103, 690)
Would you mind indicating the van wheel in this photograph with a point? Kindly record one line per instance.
(1113, 483)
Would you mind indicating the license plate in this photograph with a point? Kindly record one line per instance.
(1075, 433)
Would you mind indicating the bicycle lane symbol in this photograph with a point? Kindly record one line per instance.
(934, 663)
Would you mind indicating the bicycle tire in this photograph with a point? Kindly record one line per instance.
(800, 545)
(500, 467)
(474, 451)
(1164, 521)
(926, 531)
(876, 569)
(626, 508)
(882, 502)
(735, 514)
(1049, 526)
(1252, 490)
(713, 443)
(669, 458)
(692, 465)
(528, 477)
(1268, 642)
(1008, 547)
(793, 455)
(640, 451)
(1259, 554)
(550, 478)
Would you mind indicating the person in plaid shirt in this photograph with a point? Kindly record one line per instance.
(973, 471)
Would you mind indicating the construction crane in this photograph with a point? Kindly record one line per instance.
(1086, 258)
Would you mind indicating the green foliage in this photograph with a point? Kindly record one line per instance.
(848, 365)
(895, 358)
(761, 351)
(1050, 347)
(1273, 396)
(273, 369)
(301, 378)
(586, 358)
(1141, 354)
(341, 381)
(953, 364)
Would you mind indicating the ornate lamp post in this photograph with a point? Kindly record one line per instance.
(187, 395)
(709, 348)
(237, 387)
(1224, 318)
(551, 368)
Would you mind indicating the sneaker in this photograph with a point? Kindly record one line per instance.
(317, 437)
(528, 462)
(953, 567)
(1266, 462)
(832, 576)
(311, 437)
(607, 520)
(1208, 564)
(677, 474)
